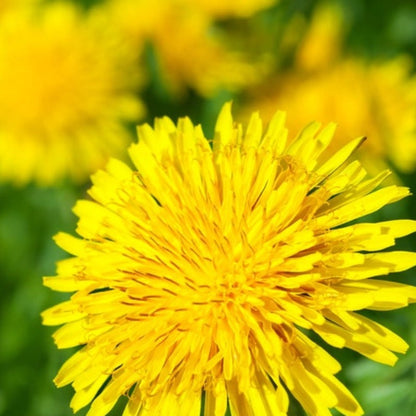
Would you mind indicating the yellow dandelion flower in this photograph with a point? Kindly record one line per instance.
(377, 100)
(190, 52)
(199, 272)
(67, 83)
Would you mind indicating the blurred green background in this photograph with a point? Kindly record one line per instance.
(30, 215)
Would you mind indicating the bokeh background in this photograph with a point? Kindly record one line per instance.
(75, 79)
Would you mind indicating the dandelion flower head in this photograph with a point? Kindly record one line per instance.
(65, 93)
(200, 272)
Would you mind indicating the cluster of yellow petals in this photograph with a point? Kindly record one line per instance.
(67, 85)
(199, 273)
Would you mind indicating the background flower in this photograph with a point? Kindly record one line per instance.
(67, 85)
(189, 49)
(374, 98)
(232, 8)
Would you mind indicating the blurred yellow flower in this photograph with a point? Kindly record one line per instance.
(6, 5)
(190, 51)
(377, 100)
(322, 42)
(230, 8)
(67, 83)
(200, 271)
(188, 55)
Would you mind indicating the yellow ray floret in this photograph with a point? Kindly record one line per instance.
(197, 272)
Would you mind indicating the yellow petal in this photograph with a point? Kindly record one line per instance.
(263, 397)
(62, 313)
(216, 401)
(378, 264)
(276, 134)
(84, 396)
(339, 158)
(362, 343)
(225, 133)
(360, 207)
